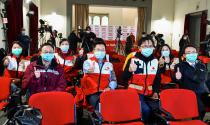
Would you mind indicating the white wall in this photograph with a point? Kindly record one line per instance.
(162, 18)
(183, 7)
(25, 11)
(55, 14)
(117, 15)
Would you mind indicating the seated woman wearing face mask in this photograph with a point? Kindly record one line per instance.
(44, 74)
(66, 59)
(166, 65)
(15, 64)
(99, 74)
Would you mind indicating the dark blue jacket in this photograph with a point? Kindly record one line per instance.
(193, 78)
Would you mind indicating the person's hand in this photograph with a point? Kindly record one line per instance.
(91, 68)
(167, 59)
(178, 74)
(132, 67)
(81, 52)
(107, 89)
(155, 96)
(6, 62)
(36, 73)
(16, 80)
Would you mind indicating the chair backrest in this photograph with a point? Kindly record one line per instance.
(57, 108)
(120, 105)
(181, 103)
(4, 88)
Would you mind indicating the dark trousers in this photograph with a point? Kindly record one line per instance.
(201, 105)
(145, 108)
(94, 100)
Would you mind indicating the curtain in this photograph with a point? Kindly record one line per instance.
(141, 22)
(186, 23)
(33, 28)
(15, 20)
(203, 28)
(81, 16)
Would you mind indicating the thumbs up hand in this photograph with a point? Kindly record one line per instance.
(91, 68)
(178, 74)
(36, 73)
(6, 62)
(132, 67)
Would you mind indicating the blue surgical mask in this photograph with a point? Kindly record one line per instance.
(64, 48)
(191, 57)
(147, 51)
(16, 52)
(165, 53)
(23, 32)
(47, 56)
(99, 55)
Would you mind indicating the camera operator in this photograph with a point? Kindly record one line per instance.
(25, 41)
(73, 39)
(88, 40)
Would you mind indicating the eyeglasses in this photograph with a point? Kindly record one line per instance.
(191, 53)
(48, 52)
(102, 50)
(149, 46)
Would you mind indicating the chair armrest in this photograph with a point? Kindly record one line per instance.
(167, 114)
(160, 119)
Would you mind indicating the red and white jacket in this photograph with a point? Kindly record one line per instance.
(169, 70)
(98, 80)
(143, 79)
(15, 69)
(68, 65)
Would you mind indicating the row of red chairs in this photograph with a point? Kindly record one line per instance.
(115, 106)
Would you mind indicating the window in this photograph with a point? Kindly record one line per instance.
(105, 21)
(98, 19)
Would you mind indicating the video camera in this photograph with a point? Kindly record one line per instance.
(44, 27)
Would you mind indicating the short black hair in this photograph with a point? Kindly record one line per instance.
(19, 43)
(62, 40)
(188, 45)
(144, 39)
(46, 44)
(88, 27)
(153, 32)
(98, 41)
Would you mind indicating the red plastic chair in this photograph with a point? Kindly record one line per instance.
(120, 107)
(57, 108)
(182, 104)
(4, 91)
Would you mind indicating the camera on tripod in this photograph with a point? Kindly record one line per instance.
(119, 32)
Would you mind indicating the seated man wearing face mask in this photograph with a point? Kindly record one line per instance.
(142, 74)
(192, 74)
(25, 40)
(44, 74)
(99, 74)
(64, 56)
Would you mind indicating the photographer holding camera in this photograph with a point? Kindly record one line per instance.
(87, 39)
